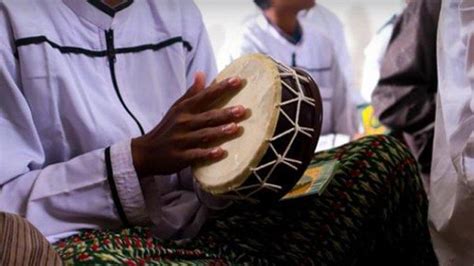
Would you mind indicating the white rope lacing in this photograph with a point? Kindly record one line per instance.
(247, 192)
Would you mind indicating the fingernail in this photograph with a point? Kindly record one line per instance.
(216, 153)
(230, 128)
(235, 81)
(238, 111)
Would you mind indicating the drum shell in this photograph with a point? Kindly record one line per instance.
(301, 149)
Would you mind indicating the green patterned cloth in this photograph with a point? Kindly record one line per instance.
(373, 212)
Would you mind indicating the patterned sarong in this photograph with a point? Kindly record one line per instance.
(373, 212)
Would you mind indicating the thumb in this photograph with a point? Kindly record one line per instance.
(199, 84)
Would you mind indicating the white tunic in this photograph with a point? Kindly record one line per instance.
(77, 82)
(374, 54)
(328, 23)
(315, 54)
(451, 211)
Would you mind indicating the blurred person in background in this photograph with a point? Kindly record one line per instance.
(405, 97)
(277, 32)
(374, 54)
(328, 23)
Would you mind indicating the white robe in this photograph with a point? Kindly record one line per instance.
(451, 210)
(328, 23)
(315, 54)
(72, 95)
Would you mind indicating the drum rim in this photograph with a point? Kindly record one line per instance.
(316, 95)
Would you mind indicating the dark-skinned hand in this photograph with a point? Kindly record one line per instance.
(184, 134)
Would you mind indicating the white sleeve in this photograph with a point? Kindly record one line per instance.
(66, 196)
(342, 53)
(344, 110)
(345, 62)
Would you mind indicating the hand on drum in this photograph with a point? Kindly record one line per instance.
(191, 124)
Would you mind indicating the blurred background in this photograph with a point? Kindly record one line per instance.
(361, 18)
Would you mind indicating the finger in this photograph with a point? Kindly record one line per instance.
(198, 85)
(198, 155)
(205, 136)
(204, 99)
(217, 117)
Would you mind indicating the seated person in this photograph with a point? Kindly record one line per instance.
(102, 114)
(277, 32)
(405, 97)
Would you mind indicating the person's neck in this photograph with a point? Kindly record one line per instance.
(112, 3)
(287, 21)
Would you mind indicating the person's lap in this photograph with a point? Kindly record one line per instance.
(374, 208)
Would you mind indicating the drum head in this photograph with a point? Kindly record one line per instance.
(261, 95)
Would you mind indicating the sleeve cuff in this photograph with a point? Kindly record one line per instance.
(187, 180)
(123, 178)
(211, 201)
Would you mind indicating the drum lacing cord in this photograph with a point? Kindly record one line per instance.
(281, 158)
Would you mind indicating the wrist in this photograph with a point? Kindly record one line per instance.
(138, 158)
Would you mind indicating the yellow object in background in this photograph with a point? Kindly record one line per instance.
(370, 123)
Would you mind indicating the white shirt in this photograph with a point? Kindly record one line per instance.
(70, 88)
(329, 24)
(374, 54)
(259, 36)
(451, 211)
